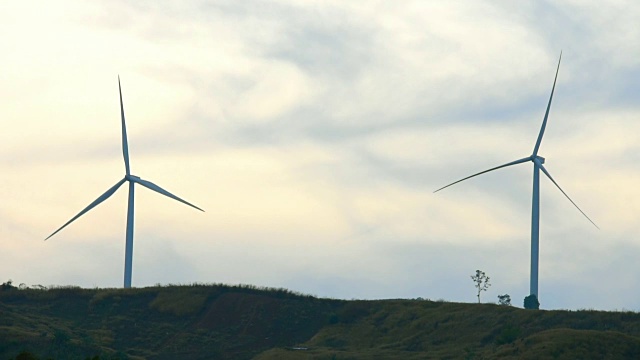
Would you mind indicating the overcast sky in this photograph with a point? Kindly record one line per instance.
(314, 133)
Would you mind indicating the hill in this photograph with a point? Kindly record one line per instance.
(244, 322)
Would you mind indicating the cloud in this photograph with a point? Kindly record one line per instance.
(313, 134)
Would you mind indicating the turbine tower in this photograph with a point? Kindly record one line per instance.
(538, 162)
(132, 179)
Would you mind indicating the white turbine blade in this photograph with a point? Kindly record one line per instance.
(486, 171)
(546, 114)
(565, 194)
(125, 144)
(95, 203)
(158, 189)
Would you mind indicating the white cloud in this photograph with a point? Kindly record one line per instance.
(313, 134)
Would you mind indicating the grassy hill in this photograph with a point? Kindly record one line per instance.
(243, 322)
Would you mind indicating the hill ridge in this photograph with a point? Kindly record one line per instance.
(217, 321)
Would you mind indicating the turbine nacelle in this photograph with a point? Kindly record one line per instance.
(539, 160)
(132, 178)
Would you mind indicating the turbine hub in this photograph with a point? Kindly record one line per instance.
(131, 178)
(538, 158)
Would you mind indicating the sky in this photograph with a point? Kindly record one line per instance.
(313, 134)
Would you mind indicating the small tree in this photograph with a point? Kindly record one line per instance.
(504, 300)
(531, 302)
(481, 281)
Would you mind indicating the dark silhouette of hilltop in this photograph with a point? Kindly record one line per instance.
(245, 322)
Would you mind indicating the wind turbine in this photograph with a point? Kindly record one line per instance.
(132, 179)
(538, 162)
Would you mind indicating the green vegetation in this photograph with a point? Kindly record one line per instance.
(243, 322)
(504, 300)
(531, 302)
(481, 282)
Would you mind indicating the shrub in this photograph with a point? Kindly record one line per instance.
(531, 302)
(25, 355)
(504, 300)
(7, 286)
(508, 335)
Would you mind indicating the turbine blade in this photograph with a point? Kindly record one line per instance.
(486, 171)
(158, 189)
(546, 114)
(95, 203)
(565, 194)
(125, 144)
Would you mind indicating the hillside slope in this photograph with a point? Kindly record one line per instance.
(224, 322)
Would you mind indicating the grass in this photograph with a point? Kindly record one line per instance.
(217, 321)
